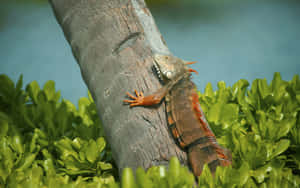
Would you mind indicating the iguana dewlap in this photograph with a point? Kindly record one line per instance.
(185, 117)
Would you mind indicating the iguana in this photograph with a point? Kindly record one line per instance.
(185, 117)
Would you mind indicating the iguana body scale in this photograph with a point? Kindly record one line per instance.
(185, 117)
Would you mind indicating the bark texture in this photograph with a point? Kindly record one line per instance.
(113, 42)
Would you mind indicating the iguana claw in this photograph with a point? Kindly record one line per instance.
(141, 100)
(137, 101)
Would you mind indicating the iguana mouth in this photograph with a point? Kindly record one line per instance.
(158, 71)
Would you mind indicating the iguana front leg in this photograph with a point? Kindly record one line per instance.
(141, 100)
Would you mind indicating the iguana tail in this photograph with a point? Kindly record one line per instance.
(206, 149)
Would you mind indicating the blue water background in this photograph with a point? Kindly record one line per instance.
(230, 39)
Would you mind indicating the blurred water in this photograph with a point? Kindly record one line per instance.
(230, 39)
(32, 44)
(234, 39)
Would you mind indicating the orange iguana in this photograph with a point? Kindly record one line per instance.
(185, 117)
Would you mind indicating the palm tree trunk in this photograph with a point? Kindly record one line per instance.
(113, 42)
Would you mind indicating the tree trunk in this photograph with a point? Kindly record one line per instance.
(113, 42)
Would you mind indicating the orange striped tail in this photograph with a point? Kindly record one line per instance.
(206, 149)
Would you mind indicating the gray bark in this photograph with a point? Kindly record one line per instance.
(113, 42)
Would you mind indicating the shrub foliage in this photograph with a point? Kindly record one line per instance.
(45, 141)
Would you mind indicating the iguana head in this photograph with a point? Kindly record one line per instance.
(169, 67)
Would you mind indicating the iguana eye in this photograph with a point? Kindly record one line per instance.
(169, 74)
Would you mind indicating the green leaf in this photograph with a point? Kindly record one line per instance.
(214, 113)
(276, 82)
(253, 98)
(33, 90)
(243, 172)
(100, 144)
(77, 143)
(28, 160)
(280, 147)
(3, 127)
(187, 178)
(91, 151)
(128, 180)
(298, 98)
(83, 109)
(104, 166)
(49, 89)
(6, 89)
(261, 173)
(223, 94)
(70, 106)
(143, 181)
(239, 90)
(206, 178)
(209, 92)
(229, 114)
(49, 167)
(263, 88)
(90, 97)
(225, 114)
(7, 158)
(17, 144)
(63, 118)
(174, 169)
(285, 126)
(19, 83)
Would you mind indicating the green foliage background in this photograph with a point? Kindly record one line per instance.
(46, 141)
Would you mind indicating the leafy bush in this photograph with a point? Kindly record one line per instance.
(48, 142)
(261, 127)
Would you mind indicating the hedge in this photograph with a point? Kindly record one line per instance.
(45, 141)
